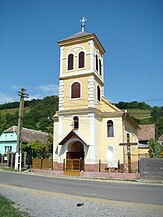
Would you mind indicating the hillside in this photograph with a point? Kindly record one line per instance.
(36, 114)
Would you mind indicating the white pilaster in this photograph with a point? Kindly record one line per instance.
(92, 138)
(102, 63)
(91, 91)
(61, 57)
(59, 137)
(91, 42)
(61, 95)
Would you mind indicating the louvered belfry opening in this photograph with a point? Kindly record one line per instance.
(96, 63)
(75, 90)
(100, 67)
(81, 59)
(98, 94)
(70, 61)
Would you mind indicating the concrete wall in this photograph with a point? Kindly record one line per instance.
(151, 168)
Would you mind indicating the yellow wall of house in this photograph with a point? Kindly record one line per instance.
(142, 151)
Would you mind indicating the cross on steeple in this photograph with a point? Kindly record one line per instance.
(83, 23)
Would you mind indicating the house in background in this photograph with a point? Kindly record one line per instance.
(145, 133)
(8, 139)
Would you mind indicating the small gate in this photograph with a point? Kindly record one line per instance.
(74, 166)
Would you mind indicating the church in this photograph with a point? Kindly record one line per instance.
(90, 134)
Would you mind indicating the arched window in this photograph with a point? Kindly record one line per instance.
(75, 90)
(96, 63)
(98, 94)
(81, 60)
(110, 130)
(100, 67)
(76, 122)
(70, 61)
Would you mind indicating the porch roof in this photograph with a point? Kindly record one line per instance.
(72, 133)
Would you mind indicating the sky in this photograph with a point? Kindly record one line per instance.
(131, 31)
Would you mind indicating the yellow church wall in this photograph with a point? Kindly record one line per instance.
(75, 49)
(75, 103)
(111, 141)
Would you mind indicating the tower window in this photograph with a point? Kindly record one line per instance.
(100, 67)
(98, 94)
(110, 131)
(76, 123)
(81, 59)
(96, 63)
(70, 61)
(75, 90)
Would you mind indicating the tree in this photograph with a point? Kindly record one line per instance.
(38, 149)
(154, 148)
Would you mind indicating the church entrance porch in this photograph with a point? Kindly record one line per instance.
(75, 157)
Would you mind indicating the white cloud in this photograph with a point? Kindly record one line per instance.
(51, 88)
(5, 99)
(36, 96)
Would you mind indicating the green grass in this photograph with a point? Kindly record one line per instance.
(12, 111)
(6, 208)
(10, 169)
(140, 114)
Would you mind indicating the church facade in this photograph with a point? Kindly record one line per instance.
(87, 127)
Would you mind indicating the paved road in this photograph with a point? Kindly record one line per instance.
(127, 192)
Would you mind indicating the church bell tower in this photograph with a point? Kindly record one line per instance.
(81, 80)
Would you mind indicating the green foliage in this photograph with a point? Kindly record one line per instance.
(36, 114)
(154, 148)
(133, 105)
(38, 149)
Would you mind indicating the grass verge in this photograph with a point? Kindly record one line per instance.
(7, 209)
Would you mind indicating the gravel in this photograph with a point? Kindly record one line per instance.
(41, 204)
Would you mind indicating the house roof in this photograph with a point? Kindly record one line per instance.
(29, 135)
(146, 132)
(141, 145)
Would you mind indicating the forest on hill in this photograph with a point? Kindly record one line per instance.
(37, 111)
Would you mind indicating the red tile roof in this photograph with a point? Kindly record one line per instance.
(146, 132)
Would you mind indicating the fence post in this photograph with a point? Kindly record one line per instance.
(99, 165)
(118, 166)
(63, 164)
(41, 162)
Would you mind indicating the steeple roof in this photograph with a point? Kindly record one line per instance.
(77, 35)
(80, 36)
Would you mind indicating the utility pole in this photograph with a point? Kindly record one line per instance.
(18, 156)
(128, 144)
